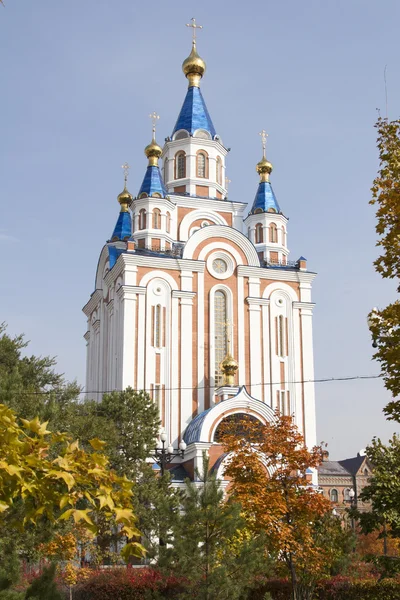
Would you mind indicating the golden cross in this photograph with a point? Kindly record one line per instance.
(264, 136)
(194, 26)
(228, 326)
(125, 168)
(154, 118)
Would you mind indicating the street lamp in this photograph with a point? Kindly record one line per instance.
(162, 454)
(352, 496)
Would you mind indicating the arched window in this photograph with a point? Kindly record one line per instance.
(201, 164)
(220, 342)
(238, 420)
(334, 495)
(259, 234)
(168, 225)
(346, 495)
(180, 165)
(142, 218)
(156, 218)
(273, 233)
(219, 170)
(157, 326)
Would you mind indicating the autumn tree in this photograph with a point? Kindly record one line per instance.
(268, 464)
(57, 480)
(385, 323)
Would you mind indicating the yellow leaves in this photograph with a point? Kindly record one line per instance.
(67, 477)
(97, 444)
(123, 515)
(132, 549)
(10, 469)
(77, 515)
(3, 506)
(36, 426)
(64, 501)
(131, 532)
(106, 500)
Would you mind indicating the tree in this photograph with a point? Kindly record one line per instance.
(75, 484)
(209, 547)
(268, 466)
(385, 324)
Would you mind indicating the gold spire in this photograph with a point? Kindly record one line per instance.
(153, 151)
(125, 198)
(264, 167)
(229, 365)
(194, 66)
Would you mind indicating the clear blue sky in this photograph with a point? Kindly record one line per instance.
(79, 79)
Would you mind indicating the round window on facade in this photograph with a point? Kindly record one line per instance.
(219, 265)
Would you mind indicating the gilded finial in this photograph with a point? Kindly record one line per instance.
(125, 198)
(264, 167)
(153, 151)
(194, 66)
(229, 365)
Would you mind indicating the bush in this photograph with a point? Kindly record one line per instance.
(387, 589)
(128, 584)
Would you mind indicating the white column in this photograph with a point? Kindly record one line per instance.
(255, 347)
(308, 376)
(200, 341)
(174, 393)
(128, 298)
(266, 339)
(186, 306)
(141, 342)
(240, 332)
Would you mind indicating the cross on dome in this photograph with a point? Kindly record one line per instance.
(154, 118)
(125, 167)
(264, 136)
(194, 26)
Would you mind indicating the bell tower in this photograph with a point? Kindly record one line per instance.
(194, 156)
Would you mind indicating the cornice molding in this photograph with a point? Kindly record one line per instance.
(95, 298)
(276, 274)
(257, 301)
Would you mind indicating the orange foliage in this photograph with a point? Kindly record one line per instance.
(373, 545)
(268, 467)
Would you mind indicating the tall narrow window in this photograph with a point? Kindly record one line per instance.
(142, 219)
(168, 225)
(157, 326)
(259, 233)
(273, 233)
(180, 165)
(220, 318)
(201, 164)
(334, 495)
(281, 336)
(157, 218)
(219, 170)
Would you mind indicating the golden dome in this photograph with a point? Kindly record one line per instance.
(229, 366)
(125, 199)
(194, 67)
(153, 152)
(264, 169)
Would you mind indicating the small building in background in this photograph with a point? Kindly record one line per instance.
(342, 481)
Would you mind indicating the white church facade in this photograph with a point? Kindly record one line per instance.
(190, 278)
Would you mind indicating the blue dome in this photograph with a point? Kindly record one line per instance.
(153, 183)
(194, 114)
(265, 198)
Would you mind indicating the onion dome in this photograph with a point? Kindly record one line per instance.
(229, 366)
(264, 169)
(153, 152)
(125, 199)
(194, 67)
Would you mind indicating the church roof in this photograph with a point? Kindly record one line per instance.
(265, 198)
(193, 430)
(153, 183)
(194, 114)
(113, 254)
(123, 227)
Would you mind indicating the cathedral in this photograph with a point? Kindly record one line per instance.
(196, 300)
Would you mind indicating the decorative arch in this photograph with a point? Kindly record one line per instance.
(158, 275)
(142, 218)
(195, 215)
(273, 233)
(181, 134)
(156, 218)
(283, 288)
(202, 428)
(202, 134)
(104, 261)
(229, 234)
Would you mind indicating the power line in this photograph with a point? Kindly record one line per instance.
(208, 387)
